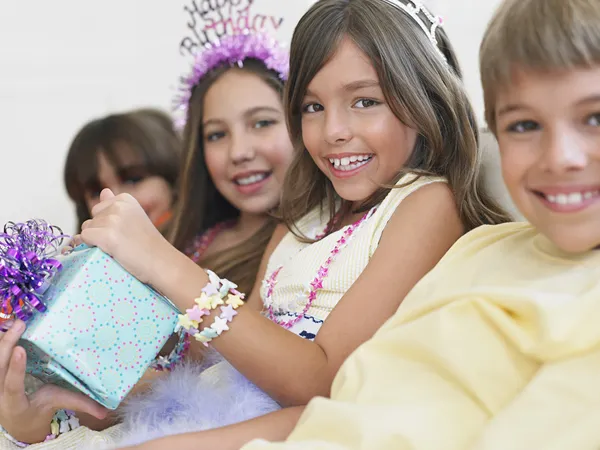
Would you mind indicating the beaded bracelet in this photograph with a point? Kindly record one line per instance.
(62, 422)
(168, 363)
(217, 293)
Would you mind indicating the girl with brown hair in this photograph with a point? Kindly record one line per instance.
(136, 152)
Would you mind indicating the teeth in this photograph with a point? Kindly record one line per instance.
(251, 179)
(573, 198)
(349, 162)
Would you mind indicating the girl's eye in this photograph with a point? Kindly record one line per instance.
(264, 123)
(523, 126)
(366, 103)
(312, 108)
(594, 120)
(132, 179)
(93, 189)
(211, 137)
(133, 174)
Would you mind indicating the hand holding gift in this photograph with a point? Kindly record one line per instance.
(27, 418)
(122, 229)
(92, 327)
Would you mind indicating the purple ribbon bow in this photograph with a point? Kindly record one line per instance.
(26, 267)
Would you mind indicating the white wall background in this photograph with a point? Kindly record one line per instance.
(64, 62)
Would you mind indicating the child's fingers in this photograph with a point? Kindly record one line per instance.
(98, 237)
(106, 194)
(8, 341)
(75, 241)
(60, 398)
(107, 198)
(14, 397)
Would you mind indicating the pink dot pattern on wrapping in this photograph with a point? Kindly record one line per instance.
(104, 327)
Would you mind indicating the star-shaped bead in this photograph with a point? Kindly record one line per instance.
(215, 301)
(61, 415)
(210, 289)
(210, 333)
(201, 338)
(74, 422)
(203, 301)
(228, 313)
(64, 427)
(219, 325)
(196, 313)
(183, 321)
(226, 287)
(234, 300)
(238, 293)
(213, 278)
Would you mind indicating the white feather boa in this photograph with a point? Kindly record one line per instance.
(193, 398)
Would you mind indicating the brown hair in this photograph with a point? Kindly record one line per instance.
(201, 206)
(419, 88)
(149, 133)
(537, 35)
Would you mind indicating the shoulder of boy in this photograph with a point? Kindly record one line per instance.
(485, 236)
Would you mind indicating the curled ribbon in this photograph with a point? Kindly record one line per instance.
(26, 268)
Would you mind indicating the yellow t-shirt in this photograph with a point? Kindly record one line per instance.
(497, 348)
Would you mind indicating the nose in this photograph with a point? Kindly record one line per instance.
(241, 147)
(337, 130)
(563, 151)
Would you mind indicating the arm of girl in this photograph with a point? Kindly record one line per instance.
(272, 427)
(423, 227)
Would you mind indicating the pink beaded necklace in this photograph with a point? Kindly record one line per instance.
(202, 242)
(317, 282)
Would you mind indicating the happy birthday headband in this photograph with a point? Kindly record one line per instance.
(232, 50)
(416, 10)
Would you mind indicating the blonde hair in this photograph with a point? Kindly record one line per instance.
(537, 35)
(201, 206)
(419, 88)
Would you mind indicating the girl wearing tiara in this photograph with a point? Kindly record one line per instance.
(236, 151)
(384, 180)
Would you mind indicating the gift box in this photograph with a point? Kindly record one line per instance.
(96, 328)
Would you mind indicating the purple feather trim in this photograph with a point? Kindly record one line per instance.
(192, 398)
(232, 50)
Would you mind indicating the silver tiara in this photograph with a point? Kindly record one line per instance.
(414, 8)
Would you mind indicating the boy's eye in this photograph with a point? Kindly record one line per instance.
(365, 103)
(523, 126)
(312, 108)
